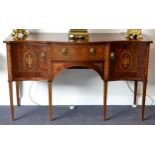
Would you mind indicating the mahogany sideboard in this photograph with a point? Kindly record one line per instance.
(42, 56)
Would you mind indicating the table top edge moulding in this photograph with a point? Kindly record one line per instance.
(63, 38)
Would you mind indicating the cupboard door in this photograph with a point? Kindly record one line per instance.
(30, 61)
(127, 61)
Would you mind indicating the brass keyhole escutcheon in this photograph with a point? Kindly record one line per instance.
(64, 51)
(112, 56)
(92, 52)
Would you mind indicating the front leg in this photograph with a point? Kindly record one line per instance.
(18, 92)
(105, 99)
(143, 99)
(11, 99)
(135, 93)
(50, 99)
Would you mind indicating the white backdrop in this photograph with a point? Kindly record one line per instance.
(76, 87)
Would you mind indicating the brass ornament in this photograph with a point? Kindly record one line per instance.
(78, 34)
(18, 34)
(134, 34)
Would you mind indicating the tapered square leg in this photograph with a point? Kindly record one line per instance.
(143, 99)
(105, 99)
(135, 93)
(18, 92)
(11, 99)
(50, 99)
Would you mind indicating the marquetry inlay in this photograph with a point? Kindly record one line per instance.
(125, 61)
(29, 60)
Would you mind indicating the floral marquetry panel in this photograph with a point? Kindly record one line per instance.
(30, 60)
(127, 61)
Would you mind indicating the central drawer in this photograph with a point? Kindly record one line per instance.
(78, 52)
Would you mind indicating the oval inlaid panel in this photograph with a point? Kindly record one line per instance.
(29, 61)
(125, 61)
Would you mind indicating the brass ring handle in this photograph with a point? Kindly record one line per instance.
(92, 52)
(64, 51)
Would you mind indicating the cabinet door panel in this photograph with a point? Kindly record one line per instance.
(29, 60)
(127, 61)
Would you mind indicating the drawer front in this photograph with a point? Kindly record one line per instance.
(78, 52)
(127, 61)
(29, 60)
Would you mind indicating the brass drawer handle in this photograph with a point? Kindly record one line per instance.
(92, 52)
(64, 51)
(43, 55)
